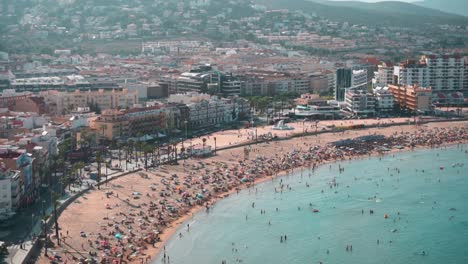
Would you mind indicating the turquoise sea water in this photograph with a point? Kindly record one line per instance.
(433, 216)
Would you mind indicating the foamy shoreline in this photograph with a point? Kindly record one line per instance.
(171, 231)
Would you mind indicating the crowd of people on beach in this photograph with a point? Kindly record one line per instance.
(133, 225)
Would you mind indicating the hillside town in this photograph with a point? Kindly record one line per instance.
(119, 27)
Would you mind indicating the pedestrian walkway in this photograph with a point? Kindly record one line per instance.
(16, 255)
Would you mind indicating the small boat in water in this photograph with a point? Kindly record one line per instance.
(315, 210)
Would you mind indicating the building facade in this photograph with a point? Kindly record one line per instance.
(360, 103)
(445, 74)
(209, 113)
(384, 99)
(64, 102)
(9, 192)
(359, 79)
(383, 75)
(342, 82)
(346, 79)
(412, 97)
(113, 124)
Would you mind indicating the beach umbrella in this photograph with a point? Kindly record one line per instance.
(118, 236)
(200, 196)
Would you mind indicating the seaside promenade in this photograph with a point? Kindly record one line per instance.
(130, 214)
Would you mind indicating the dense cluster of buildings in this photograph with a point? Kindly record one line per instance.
(385, 99)
(445, 75)
(412, 85)
(26, 153)
(177, 114)
(252, 82)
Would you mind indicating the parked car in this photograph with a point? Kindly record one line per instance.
(3, 248)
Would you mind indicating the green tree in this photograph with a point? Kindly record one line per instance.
(99, 161)
(146, 150)
(55, 198)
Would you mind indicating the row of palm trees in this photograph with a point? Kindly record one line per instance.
(277, 102)
(149, 153)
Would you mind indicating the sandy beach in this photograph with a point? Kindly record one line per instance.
(130, 218)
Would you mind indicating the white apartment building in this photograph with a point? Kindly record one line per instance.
(187, 98)
(9, 192)
(301, 85)
(383, 75)
(384, 99)
(444, 74)
(359, 79)
(64, 102)
(331, 80)
(255, 86)
(207, 113)
(410, 73)
(360, 103)
(231, 87)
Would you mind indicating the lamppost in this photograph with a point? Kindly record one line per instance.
(43, 209)
(215, 145)
(303, 128)
(253, 126)
(191, 148)
(32, 222)
(44, 225)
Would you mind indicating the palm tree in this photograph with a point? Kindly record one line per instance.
(131, 145)
(175, 150)
(158, 148)
(169, 151)
(182, 153)
(59, 165)
(80, 166)
(127, 150)
(146, 150)
(75, 170)
(139, 143)
(44, 226)
(99, 161)
(119, 147)
(86, 141)
(55, 197)
(103, 129)
(204, 142)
